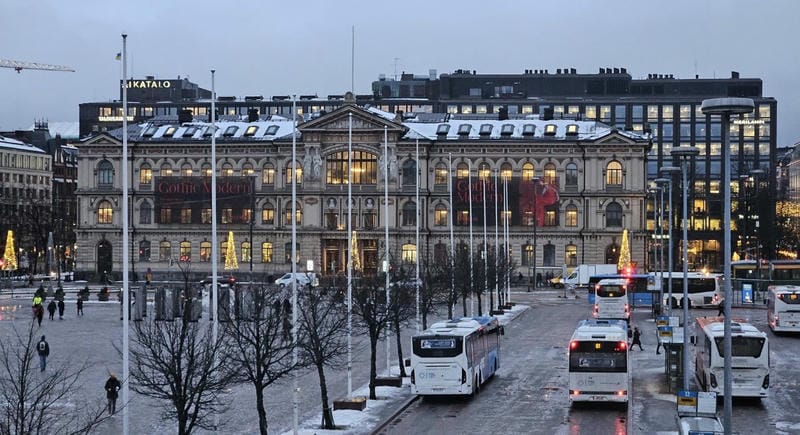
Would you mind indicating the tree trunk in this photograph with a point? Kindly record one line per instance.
(373, 370)
(262, 413)
(399, 348)
(480, 299)
(450, 302)
(327, 412)
(464, 303)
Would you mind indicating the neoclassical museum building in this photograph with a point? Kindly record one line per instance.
(570, 186)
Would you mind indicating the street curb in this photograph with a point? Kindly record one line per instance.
(384, 424)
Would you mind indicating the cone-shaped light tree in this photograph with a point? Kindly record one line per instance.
(231, 263)
(624, 262)
(10, 254)
(355, 256)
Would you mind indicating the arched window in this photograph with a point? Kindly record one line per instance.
(550, 174)
(572, 216)
(186, 251)
(205, 251)
(145, 213)
(484, 172)
(105, 174)
(440, 215)
(440, 175)
(364, 164)
(506, 172)
(227, 170)
(186, 170)
(268, 175)
(246, 252)
(266, 252)
(298, 178)
(268, 214)
(409, 173)
(205, 170)
(145, 176)
(164, 250)
(549, 255)
(614, 174)
(105, 214)
(409, 253)
(462, 171)
(247, 170)
(527, 172)
(409, 213)
(614, 215)
(571, 255)
(287, 252)
(166, 170)
(287, 214)
(527, 254)
(571, 175)
(144, 250)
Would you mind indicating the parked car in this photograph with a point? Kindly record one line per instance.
(303, 278)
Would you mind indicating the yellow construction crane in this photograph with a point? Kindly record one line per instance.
(19, 66)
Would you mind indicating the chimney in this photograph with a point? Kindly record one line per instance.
(252, 115)
(185, 116)
(734, 74)
(398, 116)
(502, 114)
(623, 71)
(558, 71)
(548, 113)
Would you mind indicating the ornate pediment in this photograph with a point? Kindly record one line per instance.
(100, 140)
(341, 118)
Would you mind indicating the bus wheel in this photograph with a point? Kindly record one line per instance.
(478, 383)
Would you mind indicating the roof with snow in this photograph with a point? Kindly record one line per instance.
(13, 144)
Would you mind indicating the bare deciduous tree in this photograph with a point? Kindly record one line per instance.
(35, 401)
(178, 362)
(322, 327)
(258, 346)
(369, 307)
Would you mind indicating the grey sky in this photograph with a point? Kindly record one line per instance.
(279, 48)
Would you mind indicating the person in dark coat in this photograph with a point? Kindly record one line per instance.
(112, 392)
(721, 311)
(637, 338)
(61, 309)
(43, 349)
(51, 309)
(80, 306)
(39, 311)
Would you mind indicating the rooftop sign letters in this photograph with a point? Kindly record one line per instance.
(149, 84)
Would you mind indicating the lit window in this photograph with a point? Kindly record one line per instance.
(205, 171)
(205, 251)
(186, 215)
(145, 174)
(483, 171)
(164, 251)
(409, 253)
(268, 175)
(251, 130)
(550, 174)
(268, 215)
(266, 252)
(527, 254)
(105, 214)
(186, 170)
(169, 131)
(186, 251)
(572, 130)
(245, 252)
(247, 170)
(614, 174)
(505, 171)
(440, 215)
(227, 170)
(166, 170)
(205, 216)
(440, 174)
(527, 172)
(550, 130)
(571, 255)
(364, 168)
(298, 178)
(287, 215)
(572, 216)
(227, 216)
(462, 171)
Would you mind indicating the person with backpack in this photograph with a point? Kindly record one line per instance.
(637, 338)
(51, 309)
(112, 392)
(43, 349)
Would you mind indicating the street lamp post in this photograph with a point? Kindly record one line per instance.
(725, 107)
(662, 183)
(685, 153)
(756, 173)
(535, 181)
(669, 171)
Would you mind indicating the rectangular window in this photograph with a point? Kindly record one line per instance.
(166, 216)
(571, 218)
(686, 112)
(186, 215)
(591, 112)
(266, 252)
(666, 112)
(605, 113)
(440, 217)
(227, 216)
(205, 216)
(268, 216)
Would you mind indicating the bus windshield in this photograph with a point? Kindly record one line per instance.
(789, 298)
(742, 346)
(611, 291)
(598, 356)
(437, 346)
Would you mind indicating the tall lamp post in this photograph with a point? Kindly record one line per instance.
(662, 183)
(535, 181)
(725, 107)
(685, 153)
(669, 171)
(757, 174)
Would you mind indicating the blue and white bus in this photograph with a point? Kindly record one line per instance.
(598, 362)
(611, 300)
(455, 356)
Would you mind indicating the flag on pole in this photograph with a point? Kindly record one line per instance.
(119, 56)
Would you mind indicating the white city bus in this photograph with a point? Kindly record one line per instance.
(598, 362)
(456, 356)
(611, 299)
(749, 353)
(705, 289)
(783, 308)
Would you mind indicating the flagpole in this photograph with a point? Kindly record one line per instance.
(349, 256)
(452, 245)
(416, 246)
(471, 274)
(485, 244)
(125, 250)
(505, 245)
(295, 392)
(214, 242)
(386, 235)
(496, 246)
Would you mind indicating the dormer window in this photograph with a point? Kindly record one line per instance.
(150, 131)
(507, 130)
(550, 130)
(572, 130)
(272, 130)
(251, 130)
(208, 131)
(486, 130)
(170, 131)
(464, 129)
(190, 131)
(442, 129)
(230, 131)
(528, 129)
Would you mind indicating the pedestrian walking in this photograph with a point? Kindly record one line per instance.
(637, 338)
(51, 309)
(112, 392)
(721, 311)
(80, 306)
(61, 310)
(39, 313)
(43, 349)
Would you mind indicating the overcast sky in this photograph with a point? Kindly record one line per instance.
(304, 47)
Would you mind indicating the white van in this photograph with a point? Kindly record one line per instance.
(303, 278)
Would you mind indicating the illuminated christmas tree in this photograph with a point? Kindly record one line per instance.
(624, 263)
(230, 254)
(355, 257)
(10, 255)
